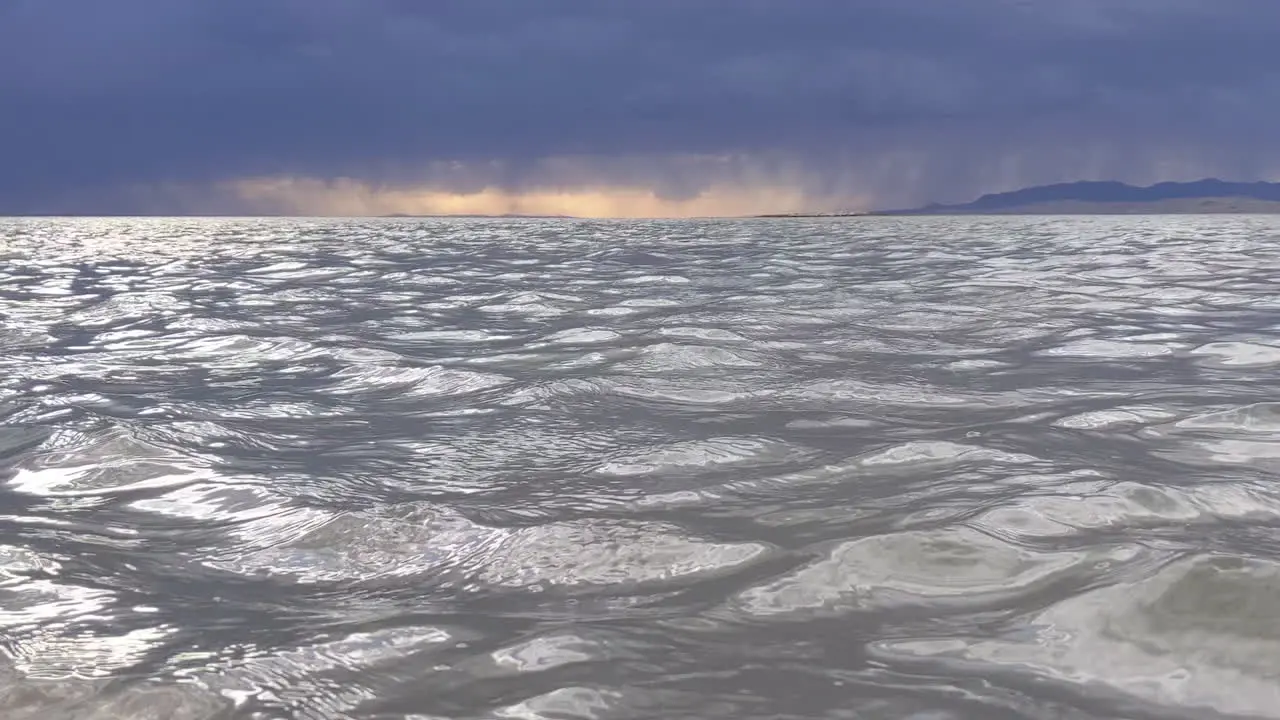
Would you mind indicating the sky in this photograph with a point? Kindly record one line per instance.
(619, 107)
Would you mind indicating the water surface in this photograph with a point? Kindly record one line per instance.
(924, 468)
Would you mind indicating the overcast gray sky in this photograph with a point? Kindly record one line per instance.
(317, 105)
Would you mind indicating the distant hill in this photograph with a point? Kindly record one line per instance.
(1110, 197)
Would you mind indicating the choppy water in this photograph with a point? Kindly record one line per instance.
(920, 468)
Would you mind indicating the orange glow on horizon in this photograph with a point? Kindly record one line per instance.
(347, 197)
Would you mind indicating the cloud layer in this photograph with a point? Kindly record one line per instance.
(110, 106)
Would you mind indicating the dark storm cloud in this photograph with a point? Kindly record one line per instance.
(98, 95)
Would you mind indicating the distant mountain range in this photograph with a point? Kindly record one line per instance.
(1109, 197)
(1090, 197)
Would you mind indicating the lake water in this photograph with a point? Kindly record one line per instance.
(916, 468)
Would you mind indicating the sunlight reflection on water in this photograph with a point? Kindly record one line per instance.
(902, 468)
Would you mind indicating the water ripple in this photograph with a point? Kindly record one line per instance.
(928, 468)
